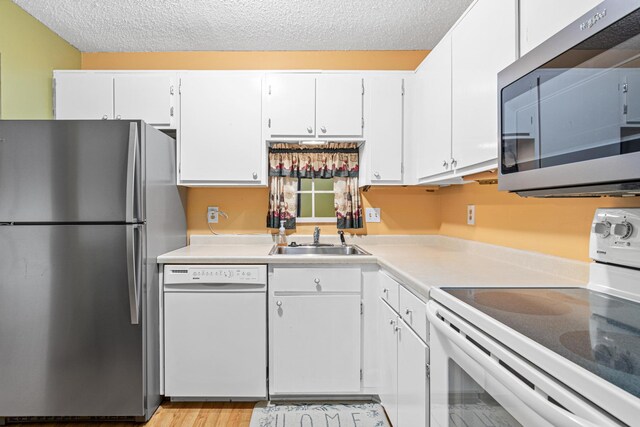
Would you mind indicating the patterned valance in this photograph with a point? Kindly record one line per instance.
(335, 159)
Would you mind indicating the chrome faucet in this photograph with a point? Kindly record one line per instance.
(341, 234)
(316, 236)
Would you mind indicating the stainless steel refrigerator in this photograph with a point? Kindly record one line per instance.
(85, 209)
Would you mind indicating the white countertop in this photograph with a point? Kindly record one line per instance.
(420, 262)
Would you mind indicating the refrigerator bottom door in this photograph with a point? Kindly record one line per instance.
(67, 345)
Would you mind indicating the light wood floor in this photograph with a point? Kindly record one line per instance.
(178, 414)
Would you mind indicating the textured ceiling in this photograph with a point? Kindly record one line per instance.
(183, 25)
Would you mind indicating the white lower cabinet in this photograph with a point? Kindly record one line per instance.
(413, 379)
(403, 383)
(388, 321)
(314, 331)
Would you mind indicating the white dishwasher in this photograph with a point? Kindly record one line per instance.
(215, 332)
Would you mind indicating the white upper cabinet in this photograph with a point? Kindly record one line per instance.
(483, 43)
(433, 115)
(339, 105)
(291, 105)
(313, 105)
(145, 96)
(83, 96)
(104, 95)
(220, 130)
(384, 131)
(537, 24)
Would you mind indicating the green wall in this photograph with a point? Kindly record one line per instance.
(29, 52)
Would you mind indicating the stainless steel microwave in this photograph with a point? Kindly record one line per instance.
(569, 110)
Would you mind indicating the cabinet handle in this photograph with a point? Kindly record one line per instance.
(376, 174)
(454, 162)
(445, 164)
(310, 129)
(279, 303)
(392, 322)
(323, 129)
(118, 117)
(385, 290)
(104, 117)
(255, 175)
(397, 328)
(408, 312)
(316, 281)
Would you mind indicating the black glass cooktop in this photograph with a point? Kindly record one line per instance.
(599, 332)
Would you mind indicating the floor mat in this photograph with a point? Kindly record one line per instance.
(318, 415)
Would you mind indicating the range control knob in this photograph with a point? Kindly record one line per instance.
(623, 230)
(602, 228)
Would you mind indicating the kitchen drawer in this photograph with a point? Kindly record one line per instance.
(389, 290)
(315, 279)
(414, 312)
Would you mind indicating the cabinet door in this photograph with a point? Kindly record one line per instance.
(413, 383)
(537, 24)
(483, 43)
(220, 128)
(339, 105)
(84, 96)
(434, 135)
(291, 105)
(388, 360)
(385, 128)
(144, 96)
(315, 344)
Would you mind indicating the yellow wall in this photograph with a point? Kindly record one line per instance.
(405, 210)
(556, 227)
(29, 52)
(296, 60)
(552, 226)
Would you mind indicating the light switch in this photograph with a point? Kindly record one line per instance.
(372, 214)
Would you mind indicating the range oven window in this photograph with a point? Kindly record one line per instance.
(472, 406)
(582, 105)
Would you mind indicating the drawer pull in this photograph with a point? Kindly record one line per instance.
(316, 281)
(279, 303)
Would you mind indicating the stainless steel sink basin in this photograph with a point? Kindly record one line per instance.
(318, 250)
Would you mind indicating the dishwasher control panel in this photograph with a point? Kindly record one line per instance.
(203, 273)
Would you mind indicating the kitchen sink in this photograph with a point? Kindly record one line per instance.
(322, 249)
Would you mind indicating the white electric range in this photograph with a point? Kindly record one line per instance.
(544, 356)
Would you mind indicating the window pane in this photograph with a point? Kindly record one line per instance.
(324, 184)
(305, 185)
(304, 205)
(325, 205)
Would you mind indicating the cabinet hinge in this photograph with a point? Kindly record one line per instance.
(363, 123)
(171, 112)
(428, 370)
(402, 87)
(402, 168)
(269, 89)
(180, 88)
(624, 109)
(171, 90)
(361, 308)
(625, 88)
(269, 124)
(362, 86)
(361, 375)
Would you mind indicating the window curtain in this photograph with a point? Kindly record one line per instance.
(337, 161)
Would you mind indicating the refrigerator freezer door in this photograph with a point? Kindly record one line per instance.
(69, 171)
(68, 345)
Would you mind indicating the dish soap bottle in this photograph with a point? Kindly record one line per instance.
(282, 235)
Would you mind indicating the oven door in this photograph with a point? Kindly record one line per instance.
(477, 382)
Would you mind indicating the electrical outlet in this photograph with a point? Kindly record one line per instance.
(471, 214)
(212, 214)
(372, 214)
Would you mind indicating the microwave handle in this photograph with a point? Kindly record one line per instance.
(547, 410)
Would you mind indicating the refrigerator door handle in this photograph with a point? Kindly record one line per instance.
(131, 172)
(133, 268)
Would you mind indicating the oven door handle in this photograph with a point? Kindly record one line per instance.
(547, 410)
